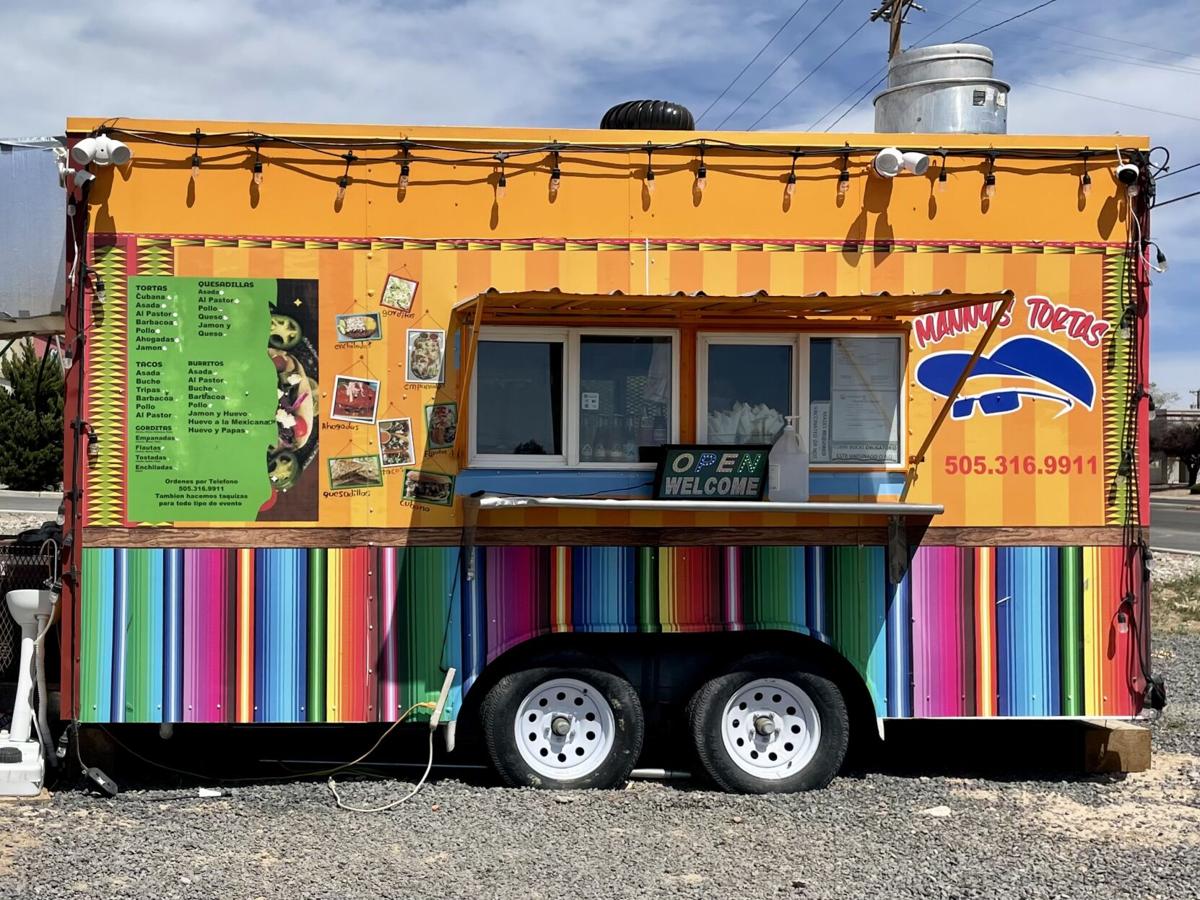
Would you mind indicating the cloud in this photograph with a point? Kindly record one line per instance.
(529, 62)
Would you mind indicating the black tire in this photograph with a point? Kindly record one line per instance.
(502, 705)
(705, 721)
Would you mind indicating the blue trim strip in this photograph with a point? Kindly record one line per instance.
(636, 483)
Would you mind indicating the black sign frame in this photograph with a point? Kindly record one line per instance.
(672, 451)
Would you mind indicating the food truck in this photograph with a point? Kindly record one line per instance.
(352, 408)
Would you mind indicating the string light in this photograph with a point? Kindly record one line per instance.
(502, 181)
(989, 180)
(1125, 326)
(344, 181)
(555, 175)
(1085, 182)
(196, 156)
(843, 182)
(258, 166)
(789, 189)
(943, 181)
(404, 171)
(649, 169)
(701, 173)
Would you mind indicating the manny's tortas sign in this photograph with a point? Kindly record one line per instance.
(711, 472)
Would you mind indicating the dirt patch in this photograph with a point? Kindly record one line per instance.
(15, 841)
(1161, 803)
(1175, 606)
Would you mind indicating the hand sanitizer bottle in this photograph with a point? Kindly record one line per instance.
(788, 467)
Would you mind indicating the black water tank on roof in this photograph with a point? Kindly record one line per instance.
(649, 115)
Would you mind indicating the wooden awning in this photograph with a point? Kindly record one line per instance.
(758, 308)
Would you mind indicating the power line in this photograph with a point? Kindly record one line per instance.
(760, 52)
(1161, 112)
(1104, 37)
(797, 85)
(1019, 15)
(1100, 53)
(1177, 199)
(803, 40)
(883, 71)
(1177, 171)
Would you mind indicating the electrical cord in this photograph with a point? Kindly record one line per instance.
(199, 776)
(386, 806)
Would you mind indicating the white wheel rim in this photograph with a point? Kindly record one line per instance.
(564, 729)
(771, 729)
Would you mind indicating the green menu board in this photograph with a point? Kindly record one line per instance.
(201, 398)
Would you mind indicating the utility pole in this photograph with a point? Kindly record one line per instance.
(893, 12)
(1197, 393)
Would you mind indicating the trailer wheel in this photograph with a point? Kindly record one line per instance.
(769, 727)
(563, 728)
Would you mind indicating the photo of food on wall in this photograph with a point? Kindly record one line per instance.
(395, 442)
(355, 399)
(426, 353)
(398, 293)
(428, 487)
(358, 327)
(291, 343)
(441, 424)
(354, 472)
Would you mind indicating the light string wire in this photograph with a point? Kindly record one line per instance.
(481, 153)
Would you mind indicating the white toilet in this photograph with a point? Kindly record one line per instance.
(22, 766)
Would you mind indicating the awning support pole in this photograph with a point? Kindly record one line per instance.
(919, 457)
(466, 375)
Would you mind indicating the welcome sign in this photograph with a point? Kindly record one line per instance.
(712, 472)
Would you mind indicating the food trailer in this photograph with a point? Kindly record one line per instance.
(354, 407)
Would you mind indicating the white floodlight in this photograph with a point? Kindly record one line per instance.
(102, 150)
(891, 161)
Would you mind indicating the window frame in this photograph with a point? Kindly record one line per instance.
(572, 379)
(902, 425)
(518, 335)
(799, 344)
(801, 383)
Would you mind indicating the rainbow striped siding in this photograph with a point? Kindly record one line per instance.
(360, 634)
(943, 629)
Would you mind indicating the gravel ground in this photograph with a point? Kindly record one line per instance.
(871, 834)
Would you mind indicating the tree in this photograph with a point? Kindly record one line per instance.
(31, 421)
(1180, 440)
(1162, 399)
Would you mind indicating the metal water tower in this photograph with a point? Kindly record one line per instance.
(946, 88)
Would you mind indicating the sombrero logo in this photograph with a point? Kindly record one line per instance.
(1021, 368)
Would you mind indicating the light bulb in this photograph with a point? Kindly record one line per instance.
(343, 183)
(942, 182)
(789, 189)
(404, 177)
(1162, 260)
(195, 166)
(701, 179)
(1085, 185)
(258, 173)
(989, 186)
(501, 187)
(555, 180)
(650, 182)
(843, 184)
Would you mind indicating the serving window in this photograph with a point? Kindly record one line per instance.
(573, 397)
(849, 386)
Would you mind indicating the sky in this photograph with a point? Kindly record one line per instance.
(1076, 66)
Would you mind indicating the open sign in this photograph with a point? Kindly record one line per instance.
(712, 472)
